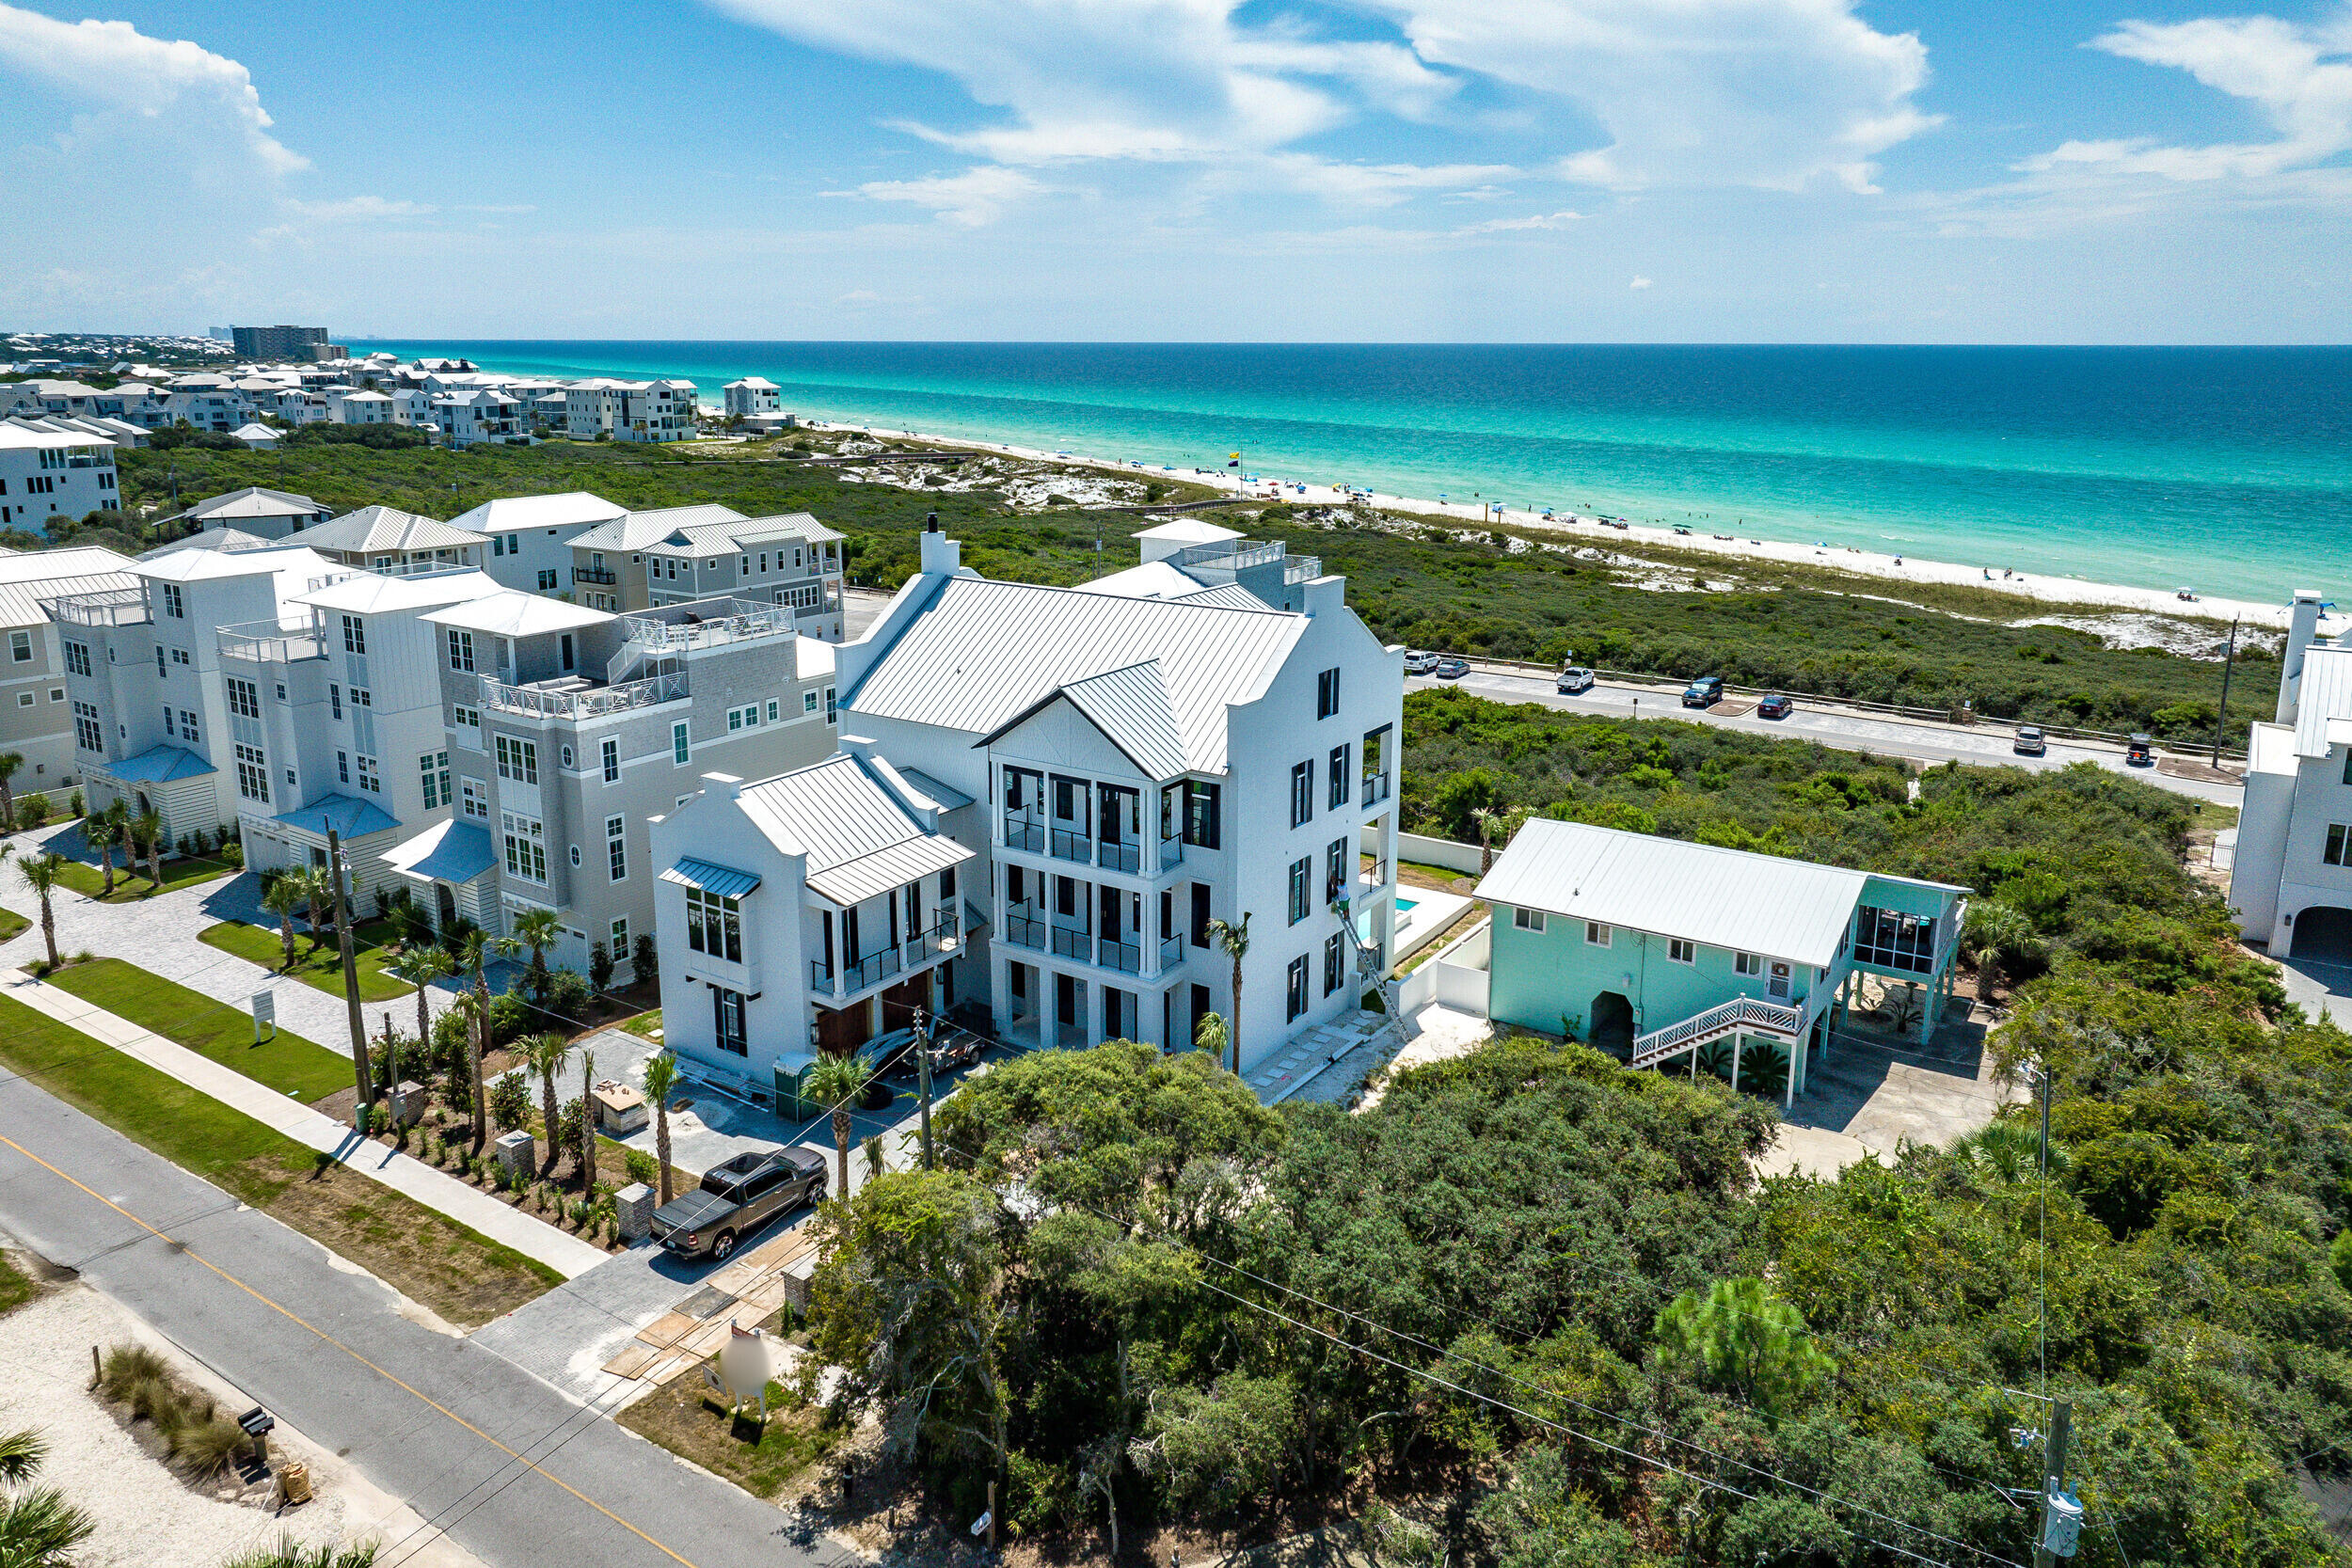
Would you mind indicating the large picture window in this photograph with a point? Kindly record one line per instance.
(518, 759)
(1887, 939)
(525, 852)
(714, 926)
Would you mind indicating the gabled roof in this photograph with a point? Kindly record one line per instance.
(512, 612)
(757, 383)
(635, 531)
(295, 566)
(1734, 898)
(451, 852)
(727, 538)
(159, 765)
(213, 539)
(983, 652)
(254, 501)
(1130, 708)
(368, 592)
(2323, 692)
(858, 840)
(1153, 579)
(382, 528)
(32, 576)
(1232, 595)
(253, 434)
(1187, 530)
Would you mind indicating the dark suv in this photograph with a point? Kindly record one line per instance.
(738, 1198)
(1706, 691)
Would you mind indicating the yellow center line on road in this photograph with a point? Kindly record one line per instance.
(295, 1316)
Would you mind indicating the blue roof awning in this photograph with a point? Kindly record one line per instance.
(451, 852)
(721, 881)
(157, 765)
(350, 818)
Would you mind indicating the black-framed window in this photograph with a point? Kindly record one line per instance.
(1201, 802)
(1327, 693)
(1333, 968)
(1303, 792)
(1296, 1000)
(726, 1008)
(1302, 872)
(1341, 781)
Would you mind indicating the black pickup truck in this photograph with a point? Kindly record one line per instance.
(738, 1198)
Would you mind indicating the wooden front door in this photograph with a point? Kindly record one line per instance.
(841, 1030)
(900, 1001)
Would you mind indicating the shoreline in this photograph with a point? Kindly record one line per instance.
(1879, 565)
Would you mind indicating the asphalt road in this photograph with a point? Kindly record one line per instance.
(1847, 731)
(515, 1473)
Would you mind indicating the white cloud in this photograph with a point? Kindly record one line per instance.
(1501, 225)
(2300, 78)
(115, 64)
(362, 209)
(971, 199)
(1639, 283)
(1774, 93)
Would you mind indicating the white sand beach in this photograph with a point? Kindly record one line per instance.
(2038, 587)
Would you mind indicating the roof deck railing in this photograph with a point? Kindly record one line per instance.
(746, 620)
(278, 642)
(1230, 555)
(596, 701)
(113, 607)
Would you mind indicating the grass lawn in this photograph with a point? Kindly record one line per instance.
(686, 1419)
(321, 968)
(13, 924)
(645, 1026)
(455, 1271)
(129, 888)
(288, 1063)
(16, 1286)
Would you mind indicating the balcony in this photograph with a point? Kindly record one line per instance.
(116, 607)
(1232, 555)
(1171, 853)
(1073, 846)
(1024, 832)
(602, 575)
(1375, 788)
(1126, 956)
(923, 946)
(1172, 951)
(1069, 943)
(714, 623)
(1301, 568)
(1024, 927)
(272, 642)
(1113, 855)
(577, 699)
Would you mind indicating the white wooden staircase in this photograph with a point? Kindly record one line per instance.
(1779, 1019)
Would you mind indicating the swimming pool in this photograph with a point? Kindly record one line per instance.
(1405, 906)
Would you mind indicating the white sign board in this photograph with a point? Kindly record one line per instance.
(264, 1011)
(979, 1526)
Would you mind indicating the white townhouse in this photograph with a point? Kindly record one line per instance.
(347, 406)
(270, 513)
(608, 561)
(384, 539)
(792, 560)
(1055, 792)
(2291, 883)
(35, 722)
(752, 394)
(531, 537)
(47, 471)
(472, 418)
(144, 680)
(657, 411)
(334, 719)
(596, 406)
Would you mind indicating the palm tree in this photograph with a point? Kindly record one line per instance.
(102, 832)
(281, 899)
(545, 1054)
(836, 1081)
(1996, 933)
(1235, 940)
(587, 1122)
(318, 891)
(661, 1083)
(9, 763)
(40, 874)
(416, 966)
(290, 1553)
(150, 831)
(481, 947)
(538, 929)
(1479, 818)
(37, 1528)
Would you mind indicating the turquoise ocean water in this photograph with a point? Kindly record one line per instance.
(2225, 470)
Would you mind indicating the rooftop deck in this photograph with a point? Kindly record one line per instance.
(114, 607)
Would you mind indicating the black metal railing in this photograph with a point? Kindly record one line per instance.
(1024, 832)
(1171, 853)
(1172, 951)
(1071, 944)
(1117, 857)
(1111, 953)
(1068, 844)
(603, 575)
(1023, 927)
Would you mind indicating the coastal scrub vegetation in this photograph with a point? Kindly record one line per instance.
(1544, 1298)
(1487, 592)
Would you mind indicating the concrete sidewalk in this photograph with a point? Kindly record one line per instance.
(443, 1194)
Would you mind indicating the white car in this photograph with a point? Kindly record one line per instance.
(1575, 678)
(1420, 661)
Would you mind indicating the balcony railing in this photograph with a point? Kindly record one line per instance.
(1229, 554)
(722, 621)
(602, 575)
(1375, 788)
(1171, 853)
(1070, 846)
(1302, 568)
(1024, 832)
(116, 607)
(1117, 857)
(1072, 944)
(1172, 950)
(870, 970)
(1111, 953)
(272, 642)
(1024, 927)
(540, 703)
(923, 946)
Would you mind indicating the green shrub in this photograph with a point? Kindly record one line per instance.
(642, 1166)
(510, 1100)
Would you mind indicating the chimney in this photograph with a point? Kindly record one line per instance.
(941, 556)
(2302, 630)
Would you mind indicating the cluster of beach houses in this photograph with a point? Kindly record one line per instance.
(1026, 806)
(453, 400)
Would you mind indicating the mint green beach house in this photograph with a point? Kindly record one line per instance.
(1667, 951)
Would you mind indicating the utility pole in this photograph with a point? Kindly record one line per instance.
(2061, 1513)
(2222, 719)
(923, 1072)
(366, 1101)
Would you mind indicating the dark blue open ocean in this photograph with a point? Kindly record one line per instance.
(2228, 470)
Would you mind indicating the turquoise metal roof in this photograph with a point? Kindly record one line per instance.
(719, 881)
(158, 765)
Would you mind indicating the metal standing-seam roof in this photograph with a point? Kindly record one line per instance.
(730, 538)
(514, 514)
(723, 881)
(451, 852)
(986, 651)
(385, 528)
(157, 765)
(1131, 709)
(1751, 903)
(253, 501)
(635, 531)
(2323, 692)
(858, 841)
(26, 579)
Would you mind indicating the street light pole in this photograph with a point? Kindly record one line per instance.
(923, 1071)
(2222, 721)
(366, 1100)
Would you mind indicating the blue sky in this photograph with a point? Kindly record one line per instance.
(1744, 171)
